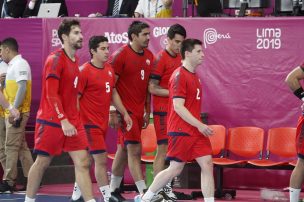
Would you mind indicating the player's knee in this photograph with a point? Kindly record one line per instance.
(82, 163)
(207, 164)
(42, 163)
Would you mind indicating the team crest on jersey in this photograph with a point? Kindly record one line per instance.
(81, 68)
(148, 62)
(110, 73)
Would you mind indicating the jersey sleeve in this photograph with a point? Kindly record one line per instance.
(52, 88)
(117, 61)
(53, 67)
(158, 68)
(179, 85)
(83, 81)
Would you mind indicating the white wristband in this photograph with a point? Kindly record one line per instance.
(112, 108)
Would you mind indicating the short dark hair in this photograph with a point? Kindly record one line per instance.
(11, 43)
(65, 27)
(95, 41)
(176, 29)
(188, 45)
(136, 27)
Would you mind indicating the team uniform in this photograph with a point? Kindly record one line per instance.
(300, 133)
(133, 70)
(164, 66)
(59, 104)
(96, 88)
(185, 141)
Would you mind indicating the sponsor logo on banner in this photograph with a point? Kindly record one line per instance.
(117, 38)
(55, 39)
(162, 33)
(211, 36)
(268, 38)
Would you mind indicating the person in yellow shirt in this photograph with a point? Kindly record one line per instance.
(17, 92)
(153, 9)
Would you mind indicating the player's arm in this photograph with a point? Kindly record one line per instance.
(52, 89)
(121, 108)
(156, 89)
(78, 102)
(147, 110)
(183, 112)
(113, 118)
(293, 81)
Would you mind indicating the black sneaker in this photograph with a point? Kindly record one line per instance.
(182, 196)
(165, 196)
(78, 200)
(116, 196)
(5, 188)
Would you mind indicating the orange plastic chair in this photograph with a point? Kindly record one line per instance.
(218, 139)
(244, 142)
(281, 142)
(148, 143)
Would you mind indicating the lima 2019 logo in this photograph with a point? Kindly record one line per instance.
(211, 36)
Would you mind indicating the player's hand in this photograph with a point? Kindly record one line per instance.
(146, 120)
(14, 113)
(68, 129)
(2, 79)
(205, 130)
(128, 121)
(114, 121)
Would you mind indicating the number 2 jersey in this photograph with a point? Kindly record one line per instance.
(186, 85)
(133, 70)
(96, 88)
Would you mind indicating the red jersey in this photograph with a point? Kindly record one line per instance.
(133, 70)
(164, 66)
(96, 88)
(184, 84)
(61, 103)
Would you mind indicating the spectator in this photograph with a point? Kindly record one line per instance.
(32, 8)
(154, 9)
(17, 91)
(12, 8)
(120, 7)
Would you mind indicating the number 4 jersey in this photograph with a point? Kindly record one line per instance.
(133, 70)
(95, 88)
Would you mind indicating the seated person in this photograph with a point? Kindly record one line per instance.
(12, 8)
(154, 9)
(32, 8)
(124, 7)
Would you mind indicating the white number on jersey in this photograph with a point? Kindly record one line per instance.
(108, 87)
(142, 73)
(75, 82)
(198, 94)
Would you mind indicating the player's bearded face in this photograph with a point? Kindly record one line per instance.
(75, 37)
(144, 37)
